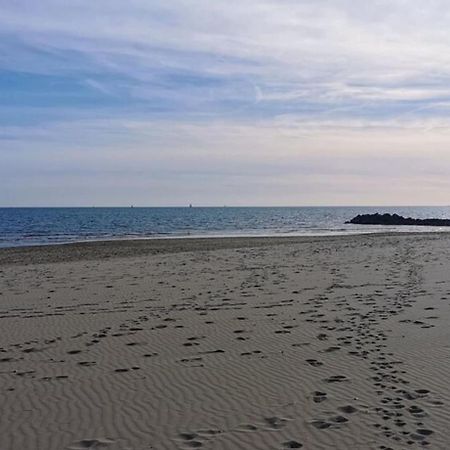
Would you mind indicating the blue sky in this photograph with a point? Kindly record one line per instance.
(262, 102)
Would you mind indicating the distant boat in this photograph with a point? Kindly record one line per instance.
(190, 205)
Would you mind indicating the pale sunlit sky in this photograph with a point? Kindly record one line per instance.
(211, 102)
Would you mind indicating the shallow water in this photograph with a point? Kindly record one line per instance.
(32, 226)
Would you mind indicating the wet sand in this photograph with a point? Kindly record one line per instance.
(245, 343)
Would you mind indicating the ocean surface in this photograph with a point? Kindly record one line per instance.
(34, 226)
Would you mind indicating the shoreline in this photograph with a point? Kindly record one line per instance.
(43, 227)
(123, 248)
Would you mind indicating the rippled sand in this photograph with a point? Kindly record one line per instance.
(314, 343)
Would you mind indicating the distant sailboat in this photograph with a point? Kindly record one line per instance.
(190, 205)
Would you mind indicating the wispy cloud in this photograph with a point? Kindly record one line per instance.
(261, 87)
(321, 51)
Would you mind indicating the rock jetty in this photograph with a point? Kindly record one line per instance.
(395, 219)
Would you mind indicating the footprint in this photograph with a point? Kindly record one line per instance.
(275, 422)
(292, 444)
(331, 349)
(87, 363)
(210, 432)
(336, 379)
(339, 419)
(190, 440)
(248, 427)
(314, 362)
(319, 396)
(320, 424)
(188, 436)
(90, 444)
(348, 409)
(422, 391)
(416, 411)
(424, 432)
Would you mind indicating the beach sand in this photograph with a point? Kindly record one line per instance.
(246, 343)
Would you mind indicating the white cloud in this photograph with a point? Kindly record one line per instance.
(268, 101)
(383, 50)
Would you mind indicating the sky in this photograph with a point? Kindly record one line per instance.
(255, 102)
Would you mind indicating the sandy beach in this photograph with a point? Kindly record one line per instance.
(233, 343)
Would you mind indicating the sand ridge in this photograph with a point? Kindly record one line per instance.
(317, 343)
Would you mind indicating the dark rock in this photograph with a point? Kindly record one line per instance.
(395, 219)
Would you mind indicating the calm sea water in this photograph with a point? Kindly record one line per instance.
(32, 226)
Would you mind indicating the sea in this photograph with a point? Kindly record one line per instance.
(47, 226)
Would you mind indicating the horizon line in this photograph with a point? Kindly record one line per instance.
(189, 206)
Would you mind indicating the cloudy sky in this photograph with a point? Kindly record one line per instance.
(255, 102)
